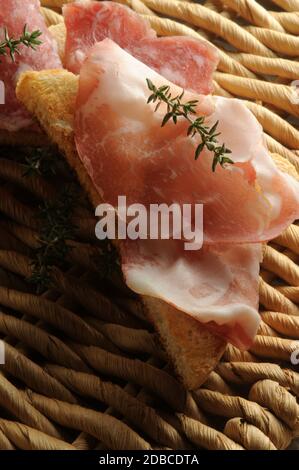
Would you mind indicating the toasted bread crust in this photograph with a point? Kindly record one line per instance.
(192, 348)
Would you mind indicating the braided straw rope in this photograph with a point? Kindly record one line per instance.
(248, 435)
(51, 17)
(74, 343)
(209, 20)
(114, 433)
(279, 42)
(290, 21)
(27, 438)
(288, 5)
(254, 13)
(142, 416)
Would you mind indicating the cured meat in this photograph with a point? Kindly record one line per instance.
(14, 14)
(218, 284)
(159, 162)
(185, 61)
(126, 152)
(91, 22)
(244, 136)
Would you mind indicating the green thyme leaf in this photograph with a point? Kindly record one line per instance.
(10, 46)
(176, 108)
(56, 228)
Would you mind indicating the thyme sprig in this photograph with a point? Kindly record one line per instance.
(42, 161)
(177, 108)
(11, 46)
(56, 229)
(107, 261)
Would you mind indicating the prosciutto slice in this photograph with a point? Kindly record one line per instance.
(218, 284)
(185, 61)
(159, 162)
(14, 14)
(126, 152)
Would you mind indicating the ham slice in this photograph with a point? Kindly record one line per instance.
(185, 61)
(279, 191)
(126, 152)
(159, 162)
(217, 284)
(14, 14)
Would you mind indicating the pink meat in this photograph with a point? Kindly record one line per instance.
(185, 61)
(217, 285)
(126, 152)
(14, 14)
(159, 162)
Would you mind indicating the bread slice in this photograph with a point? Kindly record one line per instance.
(192, 348)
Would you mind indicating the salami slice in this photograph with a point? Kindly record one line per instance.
(14, 15)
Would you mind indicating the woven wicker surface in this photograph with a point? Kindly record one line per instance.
(83, 368)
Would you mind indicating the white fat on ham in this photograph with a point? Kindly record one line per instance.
(118, 133)
(243, 134)
(217, 285)
(14, 15)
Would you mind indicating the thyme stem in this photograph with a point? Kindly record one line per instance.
(11, 46)
(56, 229)
(176, 108)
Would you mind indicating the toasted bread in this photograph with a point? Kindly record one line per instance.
(192, 348)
